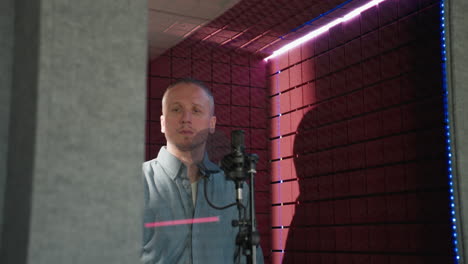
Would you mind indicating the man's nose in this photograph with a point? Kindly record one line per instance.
(186, 116)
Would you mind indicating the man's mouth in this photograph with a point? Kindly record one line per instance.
(186, 132)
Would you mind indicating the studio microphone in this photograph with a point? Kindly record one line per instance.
(233, 164)
(237, 145)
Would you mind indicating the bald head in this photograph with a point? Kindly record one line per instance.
(190, 82)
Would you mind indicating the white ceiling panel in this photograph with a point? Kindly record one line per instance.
(170, 21)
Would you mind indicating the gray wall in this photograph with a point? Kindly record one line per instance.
(73, 190)
(458, 104)
(6, 70)
(21, 135)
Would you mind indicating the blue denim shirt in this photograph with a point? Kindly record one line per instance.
(168, 196)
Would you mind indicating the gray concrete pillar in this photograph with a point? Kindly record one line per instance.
(76, 133)
(6, 69)
(457, 42)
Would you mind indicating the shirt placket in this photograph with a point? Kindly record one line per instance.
(185, 191)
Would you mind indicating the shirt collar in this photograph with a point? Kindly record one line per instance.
(173, 165)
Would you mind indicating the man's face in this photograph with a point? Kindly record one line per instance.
(187, 117)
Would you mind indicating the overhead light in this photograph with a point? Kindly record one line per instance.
(355, 12)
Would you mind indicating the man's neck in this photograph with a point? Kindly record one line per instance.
(190, 159)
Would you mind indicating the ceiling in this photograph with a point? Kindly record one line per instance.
(253, 26)
(170, 21)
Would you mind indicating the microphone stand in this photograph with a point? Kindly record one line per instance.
(254, 235)
(237, 166)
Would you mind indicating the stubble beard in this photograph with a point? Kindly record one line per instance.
(197, 142)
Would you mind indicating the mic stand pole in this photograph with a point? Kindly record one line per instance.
(254, 237)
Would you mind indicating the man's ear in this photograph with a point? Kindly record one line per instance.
(212, 124)
(163, 127)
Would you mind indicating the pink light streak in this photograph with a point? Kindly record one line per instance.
(183, 222)
(324, 28)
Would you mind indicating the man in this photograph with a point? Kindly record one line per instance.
(183, 187)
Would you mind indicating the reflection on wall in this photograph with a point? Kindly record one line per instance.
(357, 144)
(239, 89)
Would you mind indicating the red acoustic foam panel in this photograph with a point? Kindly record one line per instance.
(202, 51)
(373, 125)
(157, 86)
(155, 135)
(201, 70)
(273, 127)
(283, 80)
(391, 11)
(374, 153)
(321, 43)
(284, 102)
(391, 67)
(240, 95)
(308, 70)
(240, 116)
(353, 52)
(258, 117)
(223, 114)
(322, 65)
(181, 51)
(155, 110)
(285, 192)
(309, 94)
(337, 36)
(221, 93)
(339, 106)
(295, 75)
(391, 92)
(337, 58)
(295, 56)
(273, 84)
(240, 75)
(325, 191)
(388, 37)
(373, 98)
(221, 72)
(393, 149)
(351, 29)
(341, 186)
(285, 124)
(181, 67)
(239, 59)
(257, 76)
(161, 66)
(378, 238)
(307, 50)
(296, 98)
(282, 215)
(370, 44)
(323, 90)
(258, 97)
(296, 117)
(369, 20)
(258, 138)
(371, 72)
(220, 55)
(340, 159)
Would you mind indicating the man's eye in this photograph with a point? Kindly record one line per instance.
(196, 110)
(176, 109)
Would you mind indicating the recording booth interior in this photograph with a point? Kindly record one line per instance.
(349, 124)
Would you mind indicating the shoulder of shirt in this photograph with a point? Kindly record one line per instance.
(148, 163)
(149, 167)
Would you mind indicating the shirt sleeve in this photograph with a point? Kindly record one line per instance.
(147, 256)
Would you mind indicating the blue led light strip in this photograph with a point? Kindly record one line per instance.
(447, 132)
(308, 23)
